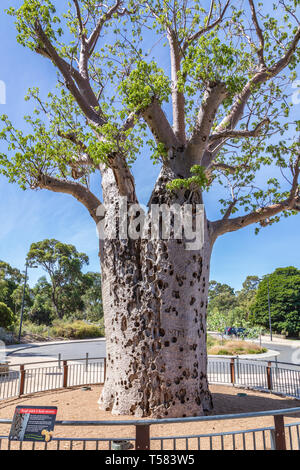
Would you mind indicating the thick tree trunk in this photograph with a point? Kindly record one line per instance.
(155, 298)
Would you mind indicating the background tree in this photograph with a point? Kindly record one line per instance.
(63, 263)
(285, 301)
(7, 317)
(92, 299)
(230, 126)
(10, 280)
(221, 297)
(42, 311)
(246, 296)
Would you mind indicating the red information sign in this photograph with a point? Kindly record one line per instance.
(33, 423)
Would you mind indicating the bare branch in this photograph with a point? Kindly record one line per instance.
(219, 166)
(81, 193)
(208, 27)
(178, 100)
(233, 134)
(78, 12)
(237, 110)
(229, 210)
(84, 95)
(159, 126)
(93, 39)
(123, 177)
(259, 33)
(213, 97)
(263, 214)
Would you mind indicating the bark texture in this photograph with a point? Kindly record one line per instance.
(155, 299)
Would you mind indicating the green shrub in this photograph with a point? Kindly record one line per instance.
(7, 317)
(76, 330)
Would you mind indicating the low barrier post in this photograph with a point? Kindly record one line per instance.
(22, 380)
(269, 376)
(232, 370)
(104, 378)
(142, 434)
(65, 377)
(280, 441)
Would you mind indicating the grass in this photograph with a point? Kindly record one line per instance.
(218, 347)
(61, 329)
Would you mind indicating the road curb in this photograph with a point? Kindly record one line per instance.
(14, 348)
(270, 353)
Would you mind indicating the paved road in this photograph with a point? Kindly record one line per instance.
(289, 354)
(96, 348)
(68, 350)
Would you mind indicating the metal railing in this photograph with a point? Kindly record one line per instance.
(25, 379)
(273, 376)
(281, 436)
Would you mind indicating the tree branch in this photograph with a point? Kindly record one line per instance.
(213, 97)
(84, 96)
(178, 100)
(78, 12)
(206, 28)
(259, 78)
(93, 39)
(159, 126)
(236, 113)
(81, 193)
(263, 214)
(259, 33)
(223, 167)
(232, 134)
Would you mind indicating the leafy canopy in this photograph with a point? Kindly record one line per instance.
(112, 68)
(284, 289)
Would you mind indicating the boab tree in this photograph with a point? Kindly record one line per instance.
(230, 63)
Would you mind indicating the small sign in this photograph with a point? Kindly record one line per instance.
(33, 423)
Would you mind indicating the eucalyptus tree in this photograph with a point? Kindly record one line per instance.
(63, 264)
(230, 68)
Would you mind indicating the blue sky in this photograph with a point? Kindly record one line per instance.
(30, 216)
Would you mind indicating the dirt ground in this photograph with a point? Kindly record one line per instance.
(77, 404)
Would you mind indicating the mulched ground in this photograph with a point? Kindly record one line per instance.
(77, 404)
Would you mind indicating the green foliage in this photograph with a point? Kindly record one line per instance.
(63, 264)
(195, 182)
(211, 61)
(27, 16)
(70, 294)
(284, 288)
(10, 280)
(126, 74)
(221, 297)
(92, 299)
(145, 83)
(42, 311)
(7, 317)
(76, 330)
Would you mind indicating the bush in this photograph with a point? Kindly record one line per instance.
(76, 330)
(232, 348)
(7, 317)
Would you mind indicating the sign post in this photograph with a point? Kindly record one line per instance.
(33, 423)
